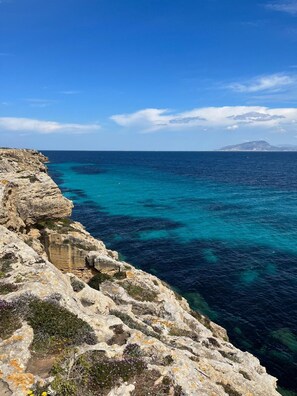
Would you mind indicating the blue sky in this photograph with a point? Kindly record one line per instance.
(147, 74)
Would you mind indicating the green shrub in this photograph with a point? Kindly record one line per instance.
(132, 350)
(60, 225)
(120, 275)
(139, 293)
(10, 321)
(94, 374)
(107, 373)
(55, 327)
(5, 263)
(6, 288)
(97, 279)
(64, 387)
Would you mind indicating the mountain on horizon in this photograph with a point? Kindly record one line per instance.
(257, 145)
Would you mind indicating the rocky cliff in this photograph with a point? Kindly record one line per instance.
(75, 320)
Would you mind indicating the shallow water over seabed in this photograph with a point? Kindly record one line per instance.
(219, 227)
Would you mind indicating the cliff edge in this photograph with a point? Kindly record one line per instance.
(75, 320)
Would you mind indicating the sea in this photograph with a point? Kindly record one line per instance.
(219, 227)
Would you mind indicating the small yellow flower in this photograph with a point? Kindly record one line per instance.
(30, 392)
(44, 394)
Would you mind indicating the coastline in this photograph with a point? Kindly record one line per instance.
(132, 314)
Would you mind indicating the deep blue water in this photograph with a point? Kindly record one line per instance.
(221, 228)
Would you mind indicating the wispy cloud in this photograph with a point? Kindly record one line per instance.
(35, 102)
(228, 117)
(69, 92)
(271, 83)
(289, 6)
(14, 124)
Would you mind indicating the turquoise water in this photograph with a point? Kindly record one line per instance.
(219, 228)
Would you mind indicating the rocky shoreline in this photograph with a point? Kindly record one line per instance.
(75, 320)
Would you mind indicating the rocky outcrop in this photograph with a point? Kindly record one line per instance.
(27, 194)
(124, 332)
(68, 244)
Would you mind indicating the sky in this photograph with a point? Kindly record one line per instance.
(147, 74)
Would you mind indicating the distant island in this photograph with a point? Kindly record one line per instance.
(258, 145)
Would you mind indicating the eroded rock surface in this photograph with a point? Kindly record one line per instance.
(123, 333)
(27, 193)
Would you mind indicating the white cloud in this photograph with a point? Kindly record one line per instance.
(232, 127)
(272, 83)
(289, 6)
(227, 117)
(143, 118)
(43, 127)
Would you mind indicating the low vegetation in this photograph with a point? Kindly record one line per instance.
(97, 279)
(6, 262)
(94, 374)
(101, 277)
(139, 293)
(6, 288)
(10, 321)
(56, 328)
(61, 225)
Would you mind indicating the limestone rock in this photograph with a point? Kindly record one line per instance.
(27, 193)
(102, 262)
